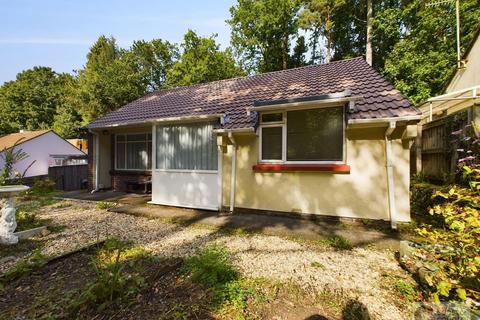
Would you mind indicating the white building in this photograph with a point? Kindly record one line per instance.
(45, 149)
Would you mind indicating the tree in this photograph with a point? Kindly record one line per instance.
(202, 61)
(111, 78)
(153, 60)
(420, 64)
(262, 31)
(317, 18)
(31, 101)
(68, 119)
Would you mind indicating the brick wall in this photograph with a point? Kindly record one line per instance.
(120, 178)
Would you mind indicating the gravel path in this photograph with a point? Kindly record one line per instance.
(357, 273)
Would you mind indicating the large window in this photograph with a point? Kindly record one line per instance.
(133, 151)
(187, 147)
(310, 135)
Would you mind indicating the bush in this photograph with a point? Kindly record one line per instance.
(457, 237)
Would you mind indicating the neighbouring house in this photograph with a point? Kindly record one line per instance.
(459, 105)
(329, 139)
(44, 148)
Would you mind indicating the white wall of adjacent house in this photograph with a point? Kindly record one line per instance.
(42, 150)
(470, 75)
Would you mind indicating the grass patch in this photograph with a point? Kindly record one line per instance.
(231, 293)
(338, 243)
(35, 261)
(105, 205)
(316, 264)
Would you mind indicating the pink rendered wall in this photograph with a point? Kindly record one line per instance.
(40, 149)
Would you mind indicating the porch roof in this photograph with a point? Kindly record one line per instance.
(232, 98)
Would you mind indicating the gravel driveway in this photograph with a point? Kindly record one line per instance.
(356, 273)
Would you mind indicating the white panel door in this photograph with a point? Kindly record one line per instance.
(187, 166)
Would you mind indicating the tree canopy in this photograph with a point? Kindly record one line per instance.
(202, 61)
(413, 46)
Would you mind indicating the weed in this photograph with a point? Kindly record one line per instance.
(24, 267)
(405, 289)
(339, 243)
(105, 205)
(231, 293)
(317, 264)
(112, 283)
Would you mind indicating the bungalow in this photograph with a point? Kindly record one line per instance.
(329, 139)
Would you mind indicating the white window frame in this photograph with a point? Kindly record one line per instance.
(284, 124)
(115, 149)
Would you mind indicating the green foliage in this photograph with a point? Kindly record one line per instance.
(339, 243)
(423, 60)
(213, 269)
(317, 264)
(406, 290)
(11, 157)
(31, 101)
(112, 282)
(421, 197)
(105, 205)
(458, 232)
(202, 61)
(35, 261)
(262, 32)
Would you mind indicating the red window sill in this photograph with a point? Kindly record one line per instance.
(273, 167)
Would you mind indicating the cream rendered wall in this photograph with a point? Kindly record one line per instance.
(469, 76)
(360, 194)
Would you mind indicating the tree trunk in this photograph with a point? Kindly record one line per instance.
(369, 53)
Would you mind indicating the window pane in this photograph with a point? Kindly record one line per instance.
(315, 135)
(272, 117)
(120, 137)
(120, 155)
(187, 147)
(136, 137)
(272, 143)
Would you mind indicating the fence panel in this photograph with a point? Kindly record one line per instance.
(70, 177)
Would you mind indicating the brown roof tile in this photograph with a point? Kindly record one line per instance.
(9, 140)
(232, 96)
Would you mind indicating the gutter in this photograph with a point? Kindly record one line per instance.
(97, 158)
(233, 178)
(390, 180)
(385, 121)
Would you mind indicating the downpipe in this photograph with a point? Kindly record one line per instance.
(234, 172)
(390, 180)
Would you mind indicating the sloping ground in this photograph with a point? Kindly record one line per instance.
(359, 274)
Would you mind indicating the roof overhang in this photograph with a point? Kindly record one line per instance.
(182, 119)
(451, 102)
(383, 122)
(331, 99)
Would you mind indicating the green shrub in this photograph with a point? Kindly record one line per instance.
(457, 261)
(421, 197)
(407, 291)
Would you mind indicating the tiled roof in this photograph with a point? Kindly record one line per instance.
(233, 96)
(9, 140)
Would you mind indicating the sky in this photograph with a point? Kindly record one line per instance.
(58, 34)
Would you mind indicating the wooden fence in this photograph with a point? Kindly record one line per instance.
(68, 178)
(439, 156)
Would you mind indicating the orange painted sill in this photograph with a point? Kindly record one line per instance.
(279, 167)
